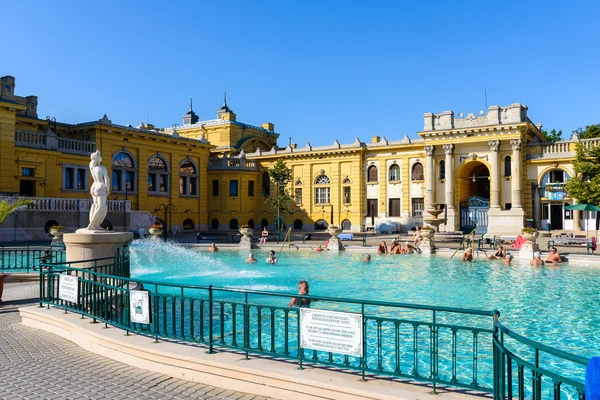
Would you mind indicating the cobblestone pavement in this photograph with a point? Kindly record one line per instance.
(38, 365)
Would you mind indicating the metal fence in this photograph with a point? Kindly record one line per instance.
(440, 345)
(25, 259)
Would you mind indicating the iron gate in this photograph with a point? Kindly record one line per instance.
(474, 214)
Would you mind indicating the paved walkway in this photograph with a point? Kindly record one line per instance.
(38, 365)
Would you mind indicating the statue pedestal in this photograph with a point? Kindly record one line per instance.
(335, 244)
(93, 245)
(427, 247)
(246, 242)
(527, 250)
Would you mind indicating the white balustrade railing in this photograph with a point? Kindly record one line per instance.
(559, 149)
(49, 141)
(62, 205)
(30, 139)
(74, 146)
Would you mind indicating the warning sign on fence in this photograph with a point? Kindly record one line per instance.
(337, 332)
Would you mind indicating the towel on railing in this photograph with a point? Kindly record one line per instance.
(592, 379)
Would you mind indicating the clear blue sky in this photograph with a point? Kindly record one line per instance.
(319, 70)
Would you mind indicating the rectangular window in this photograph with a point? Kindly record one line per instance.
(152, 183)
(418, 204)
(250, 188)
(69, 178)
(116, 181)
(394, 208)
(346, 194)
(215, 188)
(322, 195)
(81, 175)
(129, 181)
(28, 171)
(507, 206)
(233, 188)
(193, 186)
(299, 197)
(372, 208)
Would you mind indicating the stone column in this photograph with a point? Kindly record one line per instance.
(429, 177)
(537, 206)
(494, 174)
(576, 218)
(449, 186)
(516, 173)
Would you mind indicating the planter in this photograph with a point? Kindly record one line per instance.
(156, 232)
(334, 230)
(427, 233)
(530, 237)
(246, 231)
(57, 233)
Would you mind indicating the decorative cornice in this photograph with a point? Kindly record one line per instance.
(429, 150)
(515, 144)
(448, 149)
(494, 145)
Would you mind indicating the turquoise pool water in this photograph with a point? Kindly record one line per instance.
(555, 305)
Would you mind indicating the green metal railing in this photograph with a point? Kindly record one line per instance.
(25, 259)
(440, 345)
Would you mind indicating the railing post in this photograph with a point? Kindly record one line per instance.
(210, 320)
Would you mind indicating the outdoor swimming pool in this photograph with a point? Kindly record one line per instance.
(557, 306)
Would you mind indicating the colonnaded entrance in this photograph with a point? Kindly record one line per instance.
(474, 190)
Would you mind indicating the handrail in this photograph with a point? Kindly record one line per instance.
(463, 240)
(288, 238)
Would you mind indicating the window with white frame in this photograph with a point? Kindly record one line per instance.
(322, 193)
(188, 179)
(75, 177)
(298, 196)
(123, 173)
(158, 175)
(418, 205)
(394, 173)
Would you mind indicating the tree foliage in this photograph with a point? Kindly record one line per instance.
(7, 209)
(282, 176)
(585, 186)
(590, 132)
(552, 136)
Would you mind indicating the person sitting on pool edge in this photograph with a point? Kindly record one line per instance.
(537, 259)
(553, 257)
(407, 248)
(251, 259)
(468, 256)
(382, 249)
(264, 236)
(272, 259)
(394, 246)
(303, 290)
(213, 247)
(417, 238)
(499, 255)
(319, 249)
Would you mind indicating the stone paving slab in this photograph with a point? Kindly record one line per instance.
(38, 365)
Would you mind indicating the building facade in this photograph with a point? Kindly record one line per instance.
(491, 172)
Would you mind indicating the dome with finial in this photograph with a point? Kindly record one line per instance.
(190, 117)
(224, 108)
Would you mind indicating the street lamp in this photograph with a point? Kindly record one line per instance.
(278, 226)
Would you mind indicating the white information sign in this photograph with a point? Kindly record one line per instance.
(337, 332)
(139, 306)
(68, 288)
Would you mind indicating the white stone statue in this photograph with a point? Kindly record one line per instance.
(99, 190)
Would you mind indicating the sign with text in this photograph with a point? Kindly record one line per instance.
(68, 288)
(139, 305)
(337, 332)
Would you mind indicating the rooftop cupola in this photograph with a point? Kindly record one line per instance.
(190, 117)
(225, 113)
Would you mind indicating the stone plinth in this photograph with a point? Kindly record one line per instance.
(246, 242)
(93, 245)
(427, 247)
(527, 250)
(335, 244)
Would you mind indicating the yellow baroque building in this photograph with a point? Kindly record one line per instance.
(492, 172)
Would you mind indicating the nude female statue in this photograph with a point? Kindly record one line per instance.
(100, 190)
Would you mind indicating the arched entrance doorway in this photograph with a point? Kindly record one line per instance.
(473, 182)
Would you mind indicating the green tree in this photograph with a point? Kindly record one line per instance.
(590, 132)
(282, 176)
(7, 209)
(552, 136)
(585, 186)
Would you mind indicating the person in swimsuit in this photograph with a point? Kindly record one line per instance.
(367, 258)
(251, 259)
(265, 236)
(382, 249)
(537, 259)
(319, 249)
(213, 248)
(271, 259)
(417, 238)
(303, 290)
(468, 256)
(508, 259)
(499, 255)
(554, 257)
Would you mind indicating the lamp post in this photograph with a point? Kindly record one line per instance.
(278, 226)
(168, 210)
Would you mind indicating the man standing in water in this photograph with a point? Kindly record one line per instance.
(303, 290)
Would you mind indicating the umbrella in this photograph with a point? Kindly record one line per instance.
(583, 207)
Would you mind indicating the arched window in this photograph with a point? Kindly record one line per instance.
(266, 184)
(214, 224)
(251, 223)
(188, 179)
(189, 225)
(298, 224)
(347, 181)
(321, 225)
(233, 223)
(372, 174)
(123, 173)
(346, 224)
(507, 166)
(394, 173)
(158, 175)
(322, 192)
(417, 172)
(298, 182)
(442, 169)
